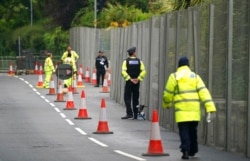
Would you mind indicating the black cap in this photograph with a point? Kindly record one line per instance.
(131, 50)
(183, 61)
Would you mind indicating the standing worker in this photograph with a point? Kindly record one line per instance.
(101, 64)
(70, 57)
(48, 69)
(133, 72)
(186, 90)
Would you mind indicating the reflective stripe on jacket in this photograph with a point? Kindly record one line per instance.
(186, 90)
(48, 65)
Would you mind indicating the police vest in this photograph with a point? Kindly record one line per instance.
(133, 67)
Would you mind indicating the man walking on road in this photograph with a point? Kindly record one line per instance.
(186, 90)
(133, 72)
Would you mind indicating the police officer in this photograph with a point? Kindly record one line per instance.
(133, 72)
(70, 57)
(186, 89)
(101, 64)
(48, 69)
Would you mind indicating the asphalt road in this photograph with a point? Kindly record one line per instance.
(35, 128)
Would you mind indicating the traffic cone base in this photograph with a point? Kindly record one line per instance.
(51, 91)
(103, 128)
(104, 89)
(39, 85)
(70, 106)
(82, 114)
(155, 149)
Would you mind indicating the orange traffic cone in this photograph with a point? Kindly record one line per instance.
(52, 90)
(83, 113)
(74, 89)
(11, 72)
(70, 102)
(93, 81)
(103, 123)
(79, 80)
(109, 78)
(40, 80)
(155, 145)
(87, 78)
(59, 97)
(80, 71)
(36, 68)
(41, 69)
(105, 88)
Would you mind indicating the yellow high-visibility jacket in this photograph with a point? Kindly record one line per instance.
(74, 56)
(187, 90)
(48, 65)
(141, 73)
(71, 62)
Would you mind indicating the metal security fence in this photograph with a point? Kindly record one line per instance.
(216, 38)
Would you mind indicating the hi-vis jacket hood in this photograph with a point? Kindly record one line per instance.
(186, 90)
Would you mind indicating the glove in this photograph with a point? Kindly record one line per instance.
(208, 117)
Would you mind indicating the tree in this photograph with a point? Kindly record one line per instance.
(63, 11)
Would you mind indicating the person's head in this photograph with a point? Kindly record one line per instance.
(69, 48)
(183, 61)
(100, 53)
(49, 54)
(132, 51)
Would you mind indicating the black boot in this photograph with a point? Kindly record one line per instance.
(185, 155)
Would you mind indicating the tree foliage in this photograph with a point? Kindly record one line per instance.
(53, 18)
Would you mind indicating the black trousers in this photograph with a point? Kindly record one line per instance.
(100, 73)
(131, 92)
(188, 136)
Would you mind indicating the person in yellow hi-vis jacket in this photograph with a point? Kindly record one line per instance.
(48, 69)
(70, 57)
(185, 89)
(133, 72)
(70, 61)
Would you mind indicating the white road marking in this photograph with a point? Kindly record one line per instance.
(62, 114)
(57, 109)
(51, 104)
(80, 131)
(46, 100)
(129, 155)
(69, 121)
(98, 142)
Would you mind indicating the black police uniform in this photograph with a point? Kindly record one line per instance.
(131, 89)
(100, 63)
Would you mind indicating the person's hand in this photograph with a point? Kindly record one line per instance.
(208, 118)
(135, 81)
